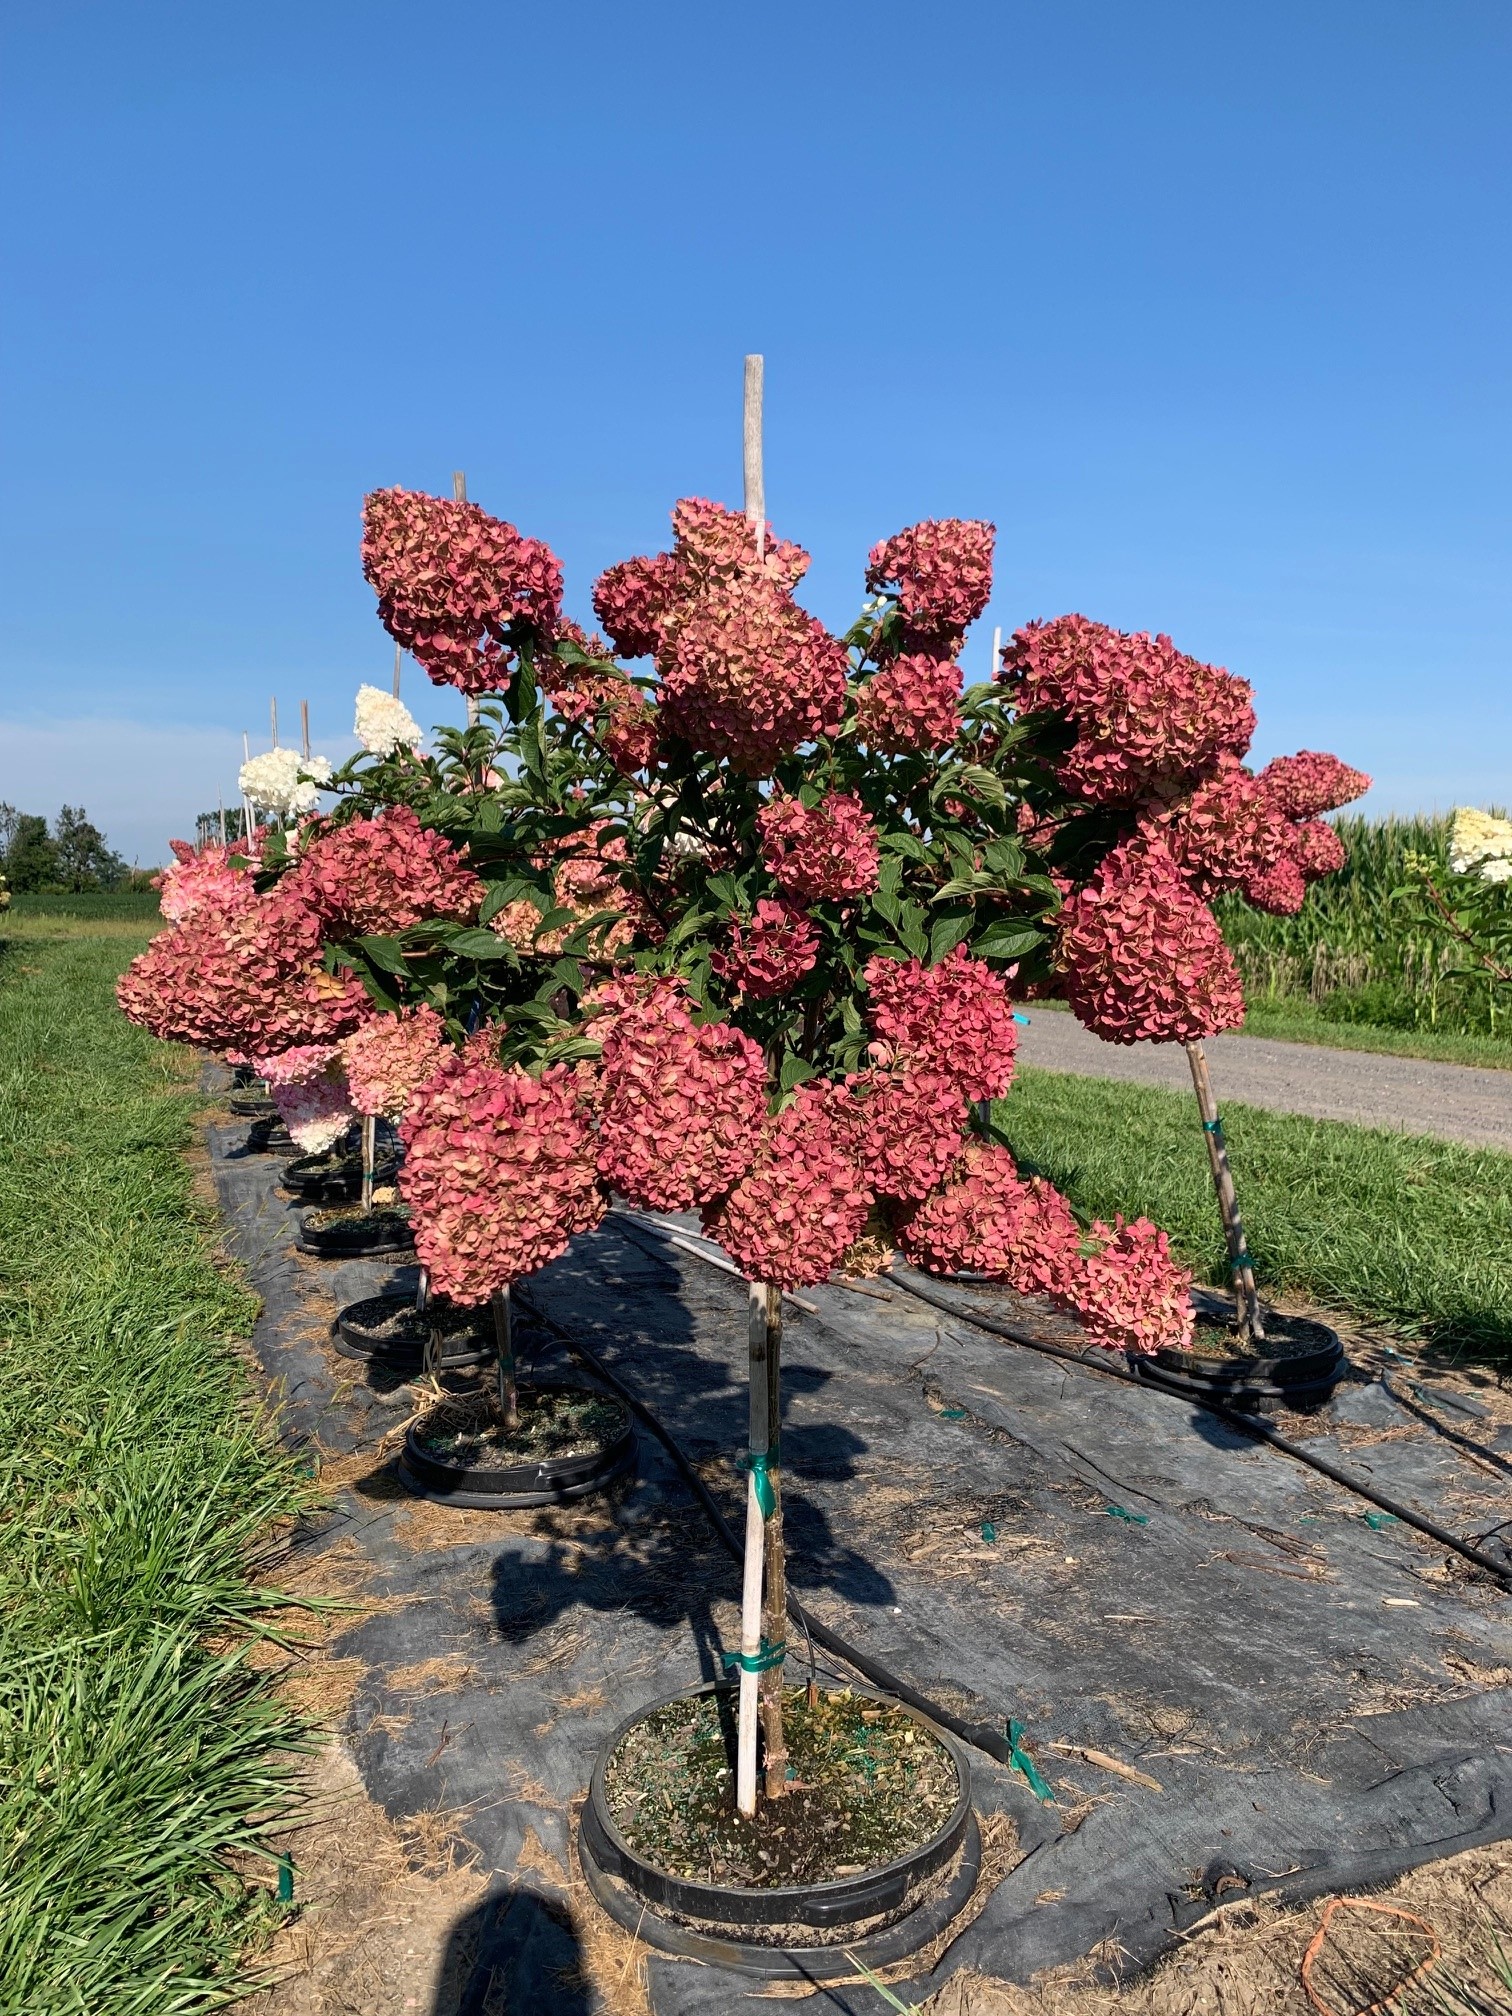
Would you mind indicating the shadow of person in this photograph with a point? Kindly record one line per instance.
(515, 1951)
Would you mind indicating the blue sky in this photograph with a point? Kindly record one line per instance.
(1207, 307)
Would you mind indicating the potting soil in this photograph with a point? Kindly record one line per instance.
(1230, 1675)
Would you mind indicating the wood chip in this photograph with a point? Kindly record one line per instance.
(1106, 1763)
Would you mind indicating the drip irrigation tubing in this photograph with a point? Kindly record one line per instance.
(981, 1736)
(1153, 1381)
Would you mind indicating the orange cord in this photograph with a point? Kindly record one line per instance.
(1315, 1947)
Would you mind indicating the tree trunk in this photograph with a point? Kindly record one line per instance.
(1241, 1268)
(369, 1149)
(758, 1506)
(509, 1389)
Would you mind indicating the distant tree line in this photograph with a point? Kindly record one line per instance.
(71, 856)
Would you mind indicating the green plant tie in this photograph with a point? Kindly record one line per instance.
(1022, 1761)
(952, 1413)
(286, 1879)
(1023, 1019)
(759, 1462)
(989, 1531)
(1376, 1520)
(1240, 1261)
(1212, 1126)
(763, 1661)
(1129, 1518)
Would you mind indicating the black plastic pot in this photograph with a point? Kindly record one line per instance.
(1300, 1362)
(359, 1332)
(552, 1480)
(635, 1892)
(269, 1137)
(252, 1106)
(355, 1240)
(328, 1179)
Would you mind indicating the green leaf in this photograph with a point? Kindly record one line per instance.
(907, 844)
(474, 944)
(385, 954)
(794, 1071)
(1007, 939)
(911, 929)
(947, 933)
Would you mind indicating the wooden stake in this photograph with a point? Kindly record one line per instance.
(755, 1549)
(223, 822)
(755, 481)
(1251, 1323)
(774, 1561)
(369, 1156)
(398, 662)
(273, 716)
(304, 730)
(509, 1389)
(246, 801)
(997, 650)
(422, 1292)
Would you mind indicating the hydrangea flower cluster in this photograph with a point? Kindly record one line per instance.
(912, 704)
(625, 722)
(745, 673)
(941, 573)
(498, 1174)
(802, 1204)
(384, 724)
(1311, 782)
(297, 1065)
(585, 881)
(1227, 833)
(283, 782)
(820, 853)
(317, 1111)
(391, 1057)
(953, 1017)
(904, 1126)
(1150, 721)
(1129, 1292)
(681, 1102)
(1143, 956)
(246, 977)
(990, 1220)
(384, 874)
(1481, 845)
(455, 587)
(203, 876)
(769, 955)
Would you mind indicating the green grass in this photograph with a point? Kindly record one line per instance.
(137, 1493)
(1294, 1019)
(137, 906)
(1410, 1233)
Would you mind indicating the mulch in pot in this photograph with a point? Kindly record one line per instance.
(867, 1783)
(556, 1422)
(347, 1232)
(390, 1326)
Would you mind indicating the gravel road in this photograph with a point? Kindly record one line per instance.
(1457, 1102)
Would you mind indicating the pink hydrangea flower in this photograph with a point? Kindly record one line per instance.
(1143, 956)
(298, 1065)
(769, 955)
(498, 1174)
(912, 704)
(1130, 1294)
(632, 600)
(203, 875)
(987, 1219)
(681, 1102)
(1279, 889)
(391, 1057)
(1317, 849)
(803, 1203)
(954, 1017)
(826, 852)
(454, 586)
(1310, 782)
(905, 1128)
(1150, 721)
(1227, 832)
(940, 571)
(384, 874)
(317, 1111)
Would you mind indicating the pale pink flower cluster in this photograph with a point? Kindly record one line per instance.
(212, 874)
(1311, 782)
(317, 1111)
(820, 853)
(940, 571)
(498, 1174)
(391, 1057)
(585, 881)
(455, 587)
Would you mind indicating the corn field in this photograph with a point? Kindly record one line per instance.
(1358, 952)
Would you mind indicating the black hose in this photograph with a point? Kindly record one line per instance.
(981, 1736)
(1154, 1381)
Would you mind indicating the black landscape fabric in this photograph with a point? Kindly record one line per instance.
(1315, 1696)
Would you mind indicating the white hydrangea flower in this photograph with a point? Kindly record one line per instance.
(384, 723)
(281, 782)
(1476, 840)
